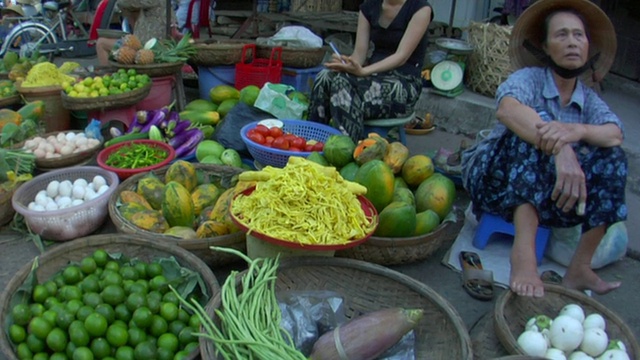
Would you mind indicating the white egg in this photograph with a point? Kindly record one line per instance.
(82, 182)
(39, 153)
(91, 186)
(98, 181)
(65, 188)
(63, 202)
(31, 205)
(38, 208)
(66, 150)
(89, 194)
(51, 139)
(61, 137)
(78, 192)
(70, 136)
(77, 202)
(80, 141)
(51, 206)
(42, 192)
(41, 199)
(103, 189)
(52, 188)
(93, 143)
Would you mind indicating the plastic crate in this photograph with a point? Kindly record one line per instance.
(278, 158)
(259, 71)
(301, 79)
(210, 77)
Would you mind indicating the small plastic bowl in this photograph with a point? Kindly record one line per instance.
(125, 173)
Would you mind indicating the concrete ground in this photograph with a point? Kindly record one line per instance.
(457, 119)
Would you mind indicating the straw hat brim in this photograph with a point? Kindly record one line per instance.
(529, 26)
(15, 8)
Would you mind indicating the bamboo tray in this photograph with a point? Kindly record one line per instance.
(153, 70)
(106, 102)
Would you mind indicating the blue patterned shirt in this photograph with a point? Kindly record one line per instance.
(535, 87)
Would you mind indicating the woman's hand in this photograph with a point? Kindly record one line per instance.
(570, 187)
(554, 135)
(345, 64)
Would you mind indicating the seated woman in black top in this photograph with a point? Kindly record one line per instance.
(386, 84)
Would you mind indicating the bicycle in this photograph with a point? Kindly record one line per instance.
(48, 34)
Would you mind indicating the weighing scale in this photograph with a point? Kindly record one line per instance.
(447, 75)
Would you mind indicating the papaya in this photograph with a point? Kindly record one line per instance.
(201, 105)
(398, 219)
(400, 183)
(33, 110)
(182, 172)
(249, 94)
(373, 147)
(128, 196)
(203, 196)
(201, 117)
(338, 150)
(396, 156)
(210, 229)
(404, 195)
(8, 116)
(348, 172)
(204, 215)
(426, 222)
(220, 93)
(226, 106)
(152, 189)
(417, 169)
(181, 232)
(177, 206)
(437, 193)
(378, 178)
(127, 210)
(221, 211)
(316, 157)
(150, 220)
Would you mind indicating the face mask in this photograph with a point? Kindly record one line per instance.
(563, 72)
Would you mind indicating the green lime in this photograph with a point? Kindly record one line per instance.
(125, 353)
(96, 324)
(92, 299)
(191, 346)
(154, 300)
(164, 354)
(90, 283)
(64, 318)
(112, 265)
(171, 297)
(73, 306)
(129, 273)
(135, 301)
(41, 356)
(186, 336)
(154, 269)
(169, 341)
(194, 321)
(35, 345)
(40, 327)
(117, 335)
(72, 275)
(51, 302)
(181, 355)
(100, 348)
(141, 269)
(17, 333)
(158, 326)
(84, 312)
(113, 295)
(184, 316)
(78, 334)
(71, 347)
(101, 257)
(176, 326)
(136, 336)
(50, 316)
(59, 280)
(21, 314)
(123, 313)
(40, 294)
(169, 311)
(111, 278)
(145, 350)
(88, 265)
(159, 283)
(58, 356)
(142, 317)
(83, 353)
(51, 287)
(57, 340)
(36, 310)
(107, 311)
(24, 352)
(70, 292)
(140, 286)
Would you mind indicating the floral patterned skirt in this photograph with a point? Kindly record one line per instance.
(347, 100)
(513, 172)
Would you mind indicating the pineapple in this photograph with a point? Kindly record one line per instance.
(144, 57)
(124, 55)
(131, 41)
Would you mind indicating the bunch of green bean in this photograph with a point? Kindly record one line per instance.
(249, 316)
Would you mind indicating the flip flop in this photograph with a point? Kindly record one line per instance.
(476, 281)
(552, 277)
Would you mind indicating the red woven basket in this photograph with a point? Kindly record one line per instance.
(259, 71)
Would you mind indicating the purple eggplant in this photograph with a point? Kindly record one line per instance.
(115, 132)
(188, 140)
(170, 121)
(178, 129)
(155, 118)
(138, 122)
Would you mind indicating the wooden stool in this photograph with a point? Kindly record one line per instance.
(383, 126)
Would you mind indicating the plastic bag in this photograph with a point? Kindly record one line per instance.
(274, 100)
(613, 247)
(93, 130)
(227, 132)
(292, 36)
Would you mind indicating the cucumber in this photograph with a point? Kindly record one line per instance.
(126, 137)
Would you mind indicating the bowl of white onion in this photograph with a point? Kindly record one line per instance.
(67, 203)
(61, 148)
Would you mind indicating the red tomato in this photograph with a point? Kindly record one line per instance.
(262, 130)
(280, 143)
(308, 147)
(276, 132)
(256, 137)
(298, 142)
(289, 136)
(251, 131)
(319, 146)
(268, 140)
(295, 149)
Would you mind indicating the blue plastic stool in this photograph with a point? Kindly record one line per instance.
(382, 126)
(490, 224)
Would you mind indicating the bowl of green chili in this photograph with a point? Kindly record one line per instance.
(136, 156)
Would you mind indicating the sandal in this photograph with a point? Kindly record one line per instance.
(551, 277)
(476, 281)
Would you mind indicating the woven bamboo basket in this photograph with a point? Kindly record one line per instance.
(56, 117)
(295, 57)
(6, 208)
(484, 341)
(130, 246)
(512, 312)
(153, 70)
(217, 52)
(225, 175)
(10, 100)
(396, 251)
(79, 158)
(366, 287)
(489, 64)
(106, 102)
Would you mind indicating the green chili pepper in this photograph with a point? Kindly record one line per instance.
(136, 156)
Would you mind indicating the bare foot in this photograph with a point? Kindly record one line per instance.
(584, 278)
(525, 280)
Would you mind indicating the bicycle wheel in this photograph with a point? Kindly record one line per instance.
(31, 39)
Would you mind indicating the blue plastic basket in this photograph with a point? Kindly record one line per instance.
(278, 158)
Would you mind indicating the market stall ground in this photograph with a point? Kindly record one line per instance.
(17, 251)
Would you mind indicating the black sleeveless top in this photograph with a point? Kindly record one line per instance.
(386, 40)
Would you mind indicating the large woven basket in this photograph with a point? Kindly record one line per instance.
(10, 100)
(295, 57)
(217, 52)
(484, 341)
(200, 247)
(512, 312)
(365, 287)
(130, 246)
(396, 251)
(6, 208)
(153, 70)
(106, 102)
(489, 65)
